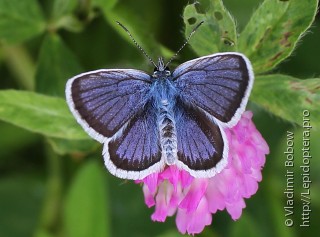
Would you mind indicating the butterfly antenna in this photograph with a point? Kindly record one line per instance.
(135, 42)
(185, 43)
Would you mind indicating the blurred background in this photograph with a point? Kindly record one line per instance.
(42, 185)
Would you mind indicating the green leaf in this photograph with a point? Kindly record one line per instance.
(70, 23)
(39, 113)
(276, 207)
(287, 97)
(105, 5)
(56, 65)
(298, 137)
(20, 20)
(218, 32)
(43, 233)
(20, 204)
(63, 7)
(86, 208)
(245, 226)
(78, 148)
(274, 30)
(171, 233)
(275, 183)
(143, 31)
(63, 15)
(14, 139)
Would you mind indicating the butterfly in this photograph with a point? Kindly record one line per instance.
(149, 121)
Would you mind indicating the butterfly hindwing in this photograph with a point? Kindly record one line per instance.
(219, 84)
(135, 152)
(104, 100)
(202, 144)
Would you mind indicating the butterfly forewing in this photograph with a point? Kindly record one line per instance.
(104, 101)
(219, 84)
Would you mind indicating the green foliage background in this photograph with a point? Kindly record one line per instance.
(52, 179)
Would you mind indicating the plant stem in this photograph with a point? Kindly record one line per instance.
(51, 211)
(21, 65)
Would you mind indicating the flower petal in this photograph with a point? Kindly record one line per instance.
(235, 208)
(195, 200)
(148, 196)
(194, 195)
(194, 223)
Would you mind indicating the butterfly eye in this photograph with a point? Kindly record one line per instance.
(155, 69)
(167, 71)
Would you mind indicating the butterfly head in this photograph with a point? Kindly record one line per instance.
(161, 71)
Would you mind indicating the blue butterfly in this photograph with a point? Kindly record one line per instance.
(147, 122)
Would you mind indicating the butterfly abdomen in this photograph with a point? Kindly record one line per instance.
(167, 129)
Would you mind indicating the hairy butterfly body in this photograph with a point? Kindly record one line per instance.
(149, 121)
